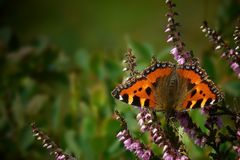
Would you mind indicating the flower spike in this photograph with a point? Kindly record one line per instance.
(130, 63)
(131, 144)
(50, 145)
(179, 52)
(148, 123)
(230, 54)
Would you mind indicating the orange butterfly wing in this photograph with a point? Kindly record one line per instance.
(140, 91)
(202, 91)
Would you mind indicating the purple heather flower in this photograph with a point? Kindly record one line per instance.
(167, 30)
(177, 56)
(174, 51)
(147, 154)
(170, 39)
(180, 58)
(230, 54)
(61, 157)
(179, 52)
(50, 145)
(219, 122)
(236, 68)
(238, 134)
(184, 158)
(186, 55)
(191, 129)
(168, 157)
(206, 109)
(181, 61)
(145, 120)
(214, 120)
(237, 149)
(200, 141)
(134, 145)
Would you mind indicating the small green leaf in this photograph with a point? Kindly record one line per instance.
(199, 119)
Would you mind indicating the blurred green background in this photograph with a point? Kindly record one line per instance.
(59, 61)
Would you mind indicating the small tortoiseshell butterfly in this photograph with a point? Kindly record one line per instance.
(165, 86)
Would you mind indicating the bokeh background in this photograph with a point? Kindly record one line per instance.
(59, 61)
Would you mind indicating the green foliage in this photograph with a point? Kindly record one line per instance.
(63, 94)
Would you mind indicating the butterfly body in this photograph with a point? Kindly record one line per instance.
(169, 91)
(166, 86)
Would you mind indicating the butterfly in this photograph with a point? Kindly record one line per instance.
(165, 86)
